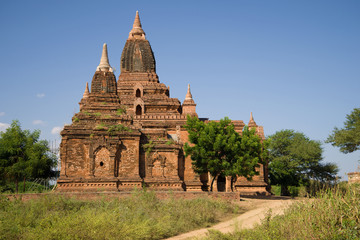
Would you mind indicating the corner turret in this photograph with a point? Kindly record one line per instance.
(86, 92)
(104, 80)
(189, 106)
(252, 122)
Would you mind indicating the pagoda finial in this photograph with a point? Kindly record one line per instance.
(104, 61)
(188, 94)
(86, 92)
(137, 23)
(137, 32)
(189, 106)
(252, 122)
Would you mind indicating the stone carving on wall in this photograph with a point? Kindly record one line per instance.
(130, 154)
(156, 165)
(178, 131)
(101, 161)
(104, 156)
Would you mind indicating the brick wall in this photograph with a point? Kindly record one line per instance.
(232, 196)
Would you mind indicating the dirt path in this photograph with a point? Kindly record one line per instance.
(258, 211)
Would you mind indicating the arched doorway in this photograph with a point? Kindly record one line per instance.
(221, 183)
(138, 93)
(138, 110)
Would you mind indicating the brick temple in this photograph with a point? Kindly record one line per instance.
(129, 132)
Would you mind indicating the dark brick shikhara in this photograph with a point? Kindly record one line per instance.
(130, 133)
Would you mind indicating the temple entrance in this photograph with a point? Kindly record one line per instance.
(138, 110)
(221, 183)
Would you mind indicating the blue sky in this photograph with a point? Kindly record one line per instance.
(294, 64)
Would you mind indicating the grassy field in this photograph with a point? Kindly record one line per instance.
(141, 216)
(333, 214)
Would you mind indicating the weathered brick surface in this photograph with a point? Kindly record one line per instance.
(118, 195)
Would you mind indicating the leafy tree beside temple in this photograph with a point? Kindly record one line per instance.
(216, 148)
(24, 156)
(347, 138)
(295, 159)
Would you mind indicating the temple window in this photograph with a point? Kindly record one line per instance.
(138, 110)
(138, 93)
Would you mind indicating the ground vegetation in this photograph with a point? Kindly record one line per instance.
(141, 216)
(333, 214)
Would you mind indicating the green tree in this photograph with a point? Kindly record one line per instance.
(246, 156)
(23, 155)
(295, 159)
(218, 149)
(347, 138)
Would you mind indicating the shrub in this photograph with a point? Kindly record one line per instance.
(121, 111)
(170, 142)
(118, 128)
(276, 190)
(100, 126)
(148, 147)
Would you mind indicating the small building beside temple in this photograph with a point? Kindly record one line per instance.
(130, 133)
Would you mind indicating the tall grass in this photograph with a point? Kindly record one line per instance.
(141, 216)
(334, 214)
(30, 187)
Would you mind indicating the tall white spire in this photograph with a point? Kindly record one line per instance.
(104, 61)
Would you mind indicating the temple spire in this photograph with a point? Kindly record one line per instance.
(188, 94)
(189, 106)
(86, 92)
(188, 98)
(252, 122)
(137, 32)
(104, 61)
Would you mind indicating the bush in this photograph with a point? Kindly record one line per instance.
(276, 190)
(295, 191)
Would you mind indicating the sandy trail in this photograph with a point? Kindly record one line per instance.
(244, 221)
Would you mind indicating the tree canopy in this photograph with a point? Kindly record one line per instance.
(218, 149)
(295, 159)
(23, 155)
(347, 138)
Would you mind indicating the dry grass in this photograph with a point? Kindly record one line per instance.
(141, 216)
(334, 214)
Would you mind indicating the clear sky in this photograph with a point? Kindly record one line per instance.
(294, 64)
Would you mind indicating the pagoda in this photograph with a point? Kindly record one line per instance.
(130, 133)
